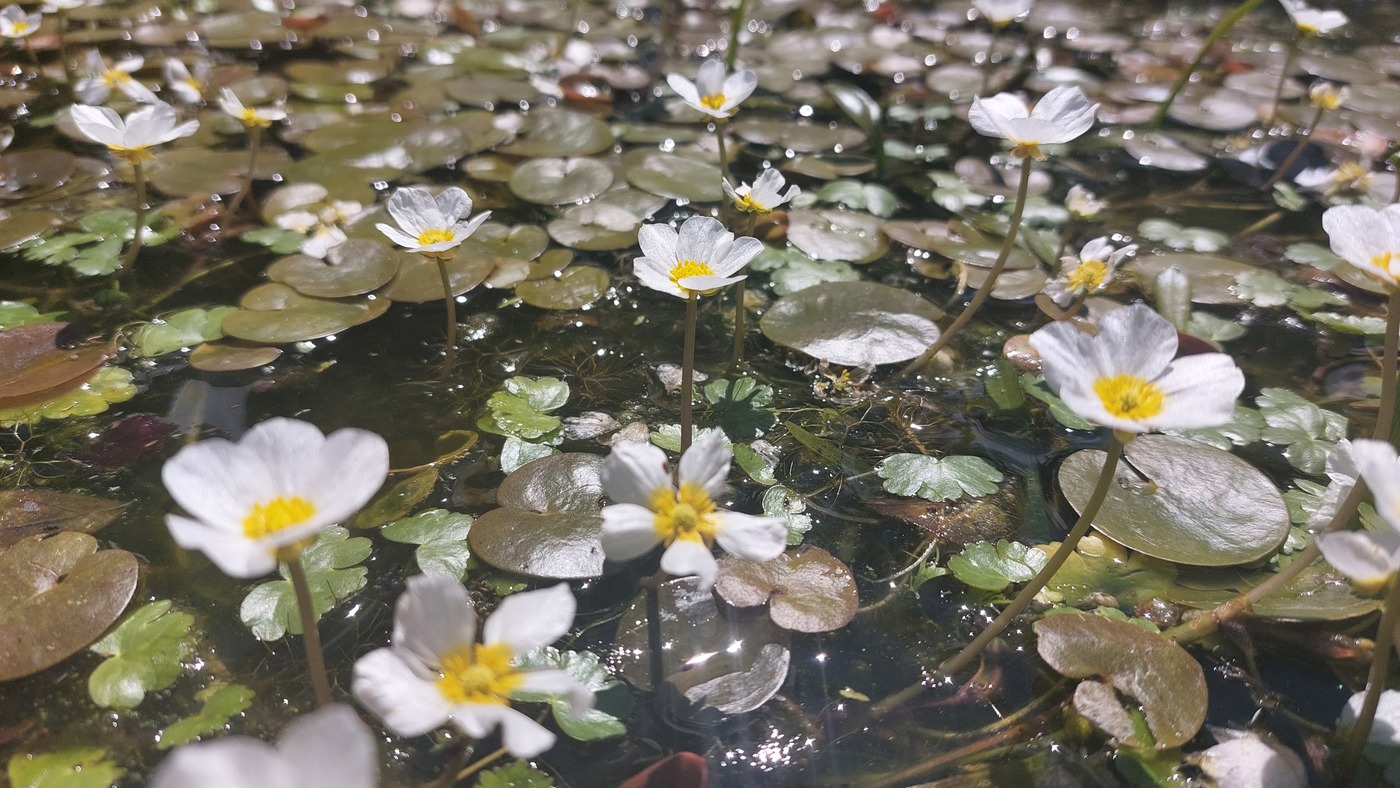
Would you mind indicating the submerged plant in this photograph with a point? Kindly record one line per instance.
(765, 195)
(264, 499)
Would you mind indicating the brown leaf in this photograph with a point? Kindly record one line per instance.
(28, 513)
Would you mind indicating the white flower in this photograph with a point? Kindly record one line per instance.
(298, 221)
(250, 117)
(339, 211)
(713, 92)
(1060, 116)
(650, 509)
(14, 23)
(1328, 95)
(1310, 20)
(99, 80)
(1001, 13)
(1082, 203)
(54, 6)
(700, 259)
(187, 87)
(429, 224)
(1088, 273)
(1127, 378)
(765, 194)
(280, 484)
(1352, 175)
(328, 748)
(133, 137)
(435, 671)
(1367, 238)
(324, 238)
(1385, 731)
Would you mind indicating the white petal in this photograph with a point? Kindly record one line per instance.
(685, 557)
(1134, 340)
(522, 736)
(738, 255)
(657, 276)
(1380, 469)
(532, 619)
(629, 531)
(658, 241)
(1069, 109)
(989, 116)
(684, 88)
(1199, 391)
(454, 203)
(1365, 557)
(699, 238)
(234, 554)
(99, 124)
(633, 472)
(754, 538)
(386, 685)
(415, 210)
(738, 87)
(232, 762)
(434, 615)
(345, 472)
(709, 80)
(707, 284)
(706, 463)
(1064, 353)
(218, 482)
(330, 748)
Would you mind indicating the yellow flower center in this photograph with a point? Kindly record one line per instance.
(1129, 396)
(1349, 171)
(135, 155)
(479, 674)
(21, 28)
(276, 515)
(1383, 261)
(713, 101)
(747, 204)
(195, 85)
(1308, 29)
(435, 236)
(252, 119)
(1089, 276)
(1327, 99)
(1028, 150)
(687, 515)
(115, 77)
(687, 268)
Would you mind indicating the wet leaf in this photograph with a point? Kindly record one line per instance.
(588, 670)
(332, 572)
(938, 479)
(830, 234)
(85, 767)
(521, 408)
(231, 356)
(783, 502)
(806, 590)
(575, 287)
(1182, 501)
(853, 323)
(143, 653)
(352, 268)
(519, 774)
(26, 513)
(1318, 594)
(419, 280)
(33, 367)
(1307, 433)
(560, 181)
(1154, 671)
(560, 133)
(396, 502)
(548, 524)
(1098, 566)
(57, 596)
(185, 328)
(275, 314)
(673, 176)
(992, 567)
(441, 537)
(221, 702)
(741, 406)
(108, 385)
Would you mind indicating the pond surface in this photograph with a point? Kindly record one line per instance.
(913, 502)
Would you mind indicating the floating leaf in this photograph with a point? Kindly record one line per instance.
(1154, 671)
(992, 567)
(143, 653)
(418, 278)
(441, 537)
(854, 323)
(938, 479)
(107, 386)
(575, 287)
(34, 368)
(521, 408)
(560, 181)
(519, 774)
(352, 268)
(332, 572)
(275, 314)
(221, 702)
(397, 501)
(85, 767)
(806, 590)
(673, 176)
(548, 524)
(829, 234)
(589, 671)
(780, 501)
(185, 328)
(57, 595)
(27, 513)
(1182, 501)
(1307, 433)
(741, 406)
(560, 132)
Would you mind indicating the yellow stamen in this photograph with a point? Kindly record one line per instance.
(1308, 30)
(1028, 150)
(747, 204)
(479, 674)
(687, 268)
(20, 28)
(252, 119)
(713, 101)
(1383, 261)
(276, 515)
(1129, 396)
(115, 78)
(1088, 277)
(435, 236)
(132, 155)
(689, 515)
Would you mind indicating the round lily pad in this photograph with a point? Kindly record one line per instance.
(523, 241)
(980, 255)
(275, 314)
(853, 323)
(548, 525)
(33, 368)
(57, 596)
(800, 137)
(26, 513)
(354, 267)
(832, 234)
(1182, 501)
(26, 225)
(595, 227)
(560, 132)
(1223, 110)
(560, 181)
(231, 356)
(674, 176)
(1213, 278)
(1159, 674)
(574, 288)
(418, 278)
(806, 590)
(1161, 152)
(27, 173)
(190, 172)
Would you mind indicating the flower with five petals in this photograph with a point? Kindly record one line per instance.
(14, 23)
(764, 195)
(100, 80)
(714, 92)
(1312, 21)
(1061, 115)
(1089, 272)
(431, 225)
(250, 117)
(700, 259)
(132, 137)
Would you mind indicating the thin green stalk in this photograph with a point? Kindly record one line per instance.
(139, 179)
(738, 354)
(736, 23)
(254, 145)
(1395, 196)
(688, 368)
(311, 636)
(447, 298)
(723, 153)
(482, 763)
(1283, 78)
(1297, 151)
(1047, 572)
(1390, 358)
(1375, 683)
(986, 289)
(1259, 226)
(69, 73)
(1224, 26)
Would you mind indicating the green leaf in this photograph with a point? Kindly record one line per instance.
(668, 436)
(1196, 239)
(806, 272)
(1263, 288)
(952, 193)
(332, 572)
(143, 655)
(1312, 254)
(1213, 329)
(108, 385)
(517, 452)
(936, 479)
(1304, 500)
(83, 767)
(441, 537)
(1001, 384)
(994, 567)
(277, 239)
(517, 774)
(859, 196)
(221, 702)
(741, 406)
(1308, 299)
(780, 501)
(1306, 431)
(14, 314)
(1035, 386)
(183, 329)
(758, 466)
(1350, 324)
(543, 394)
(1288, 198)
(587, 669)
(509, 414)
(100, 259)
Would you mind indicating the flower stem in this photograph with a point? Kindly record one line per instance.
(1217, 33)
(478, 765)
(1047, 572)
(738, 353)
(1375, 682)
(254, 145)
(723, 154)
(1297, 151)
(986, 289)
(736, 23)
(451, 358)
(311, 636)
(139, 179)
(1390, 357)
(688, 368)
(69, 73)
(1283, 77)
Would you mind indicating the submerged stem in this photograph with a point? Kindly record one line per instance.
(723, 154)
(254, 145)
(447, 298)
(1217, 33)
(986, 289)
(1360, 731)
(311, 636)
(688, 368)
(139, 179)
(737, 354)
(1297, 151)
(479, 764)
(1023, 600)
(1389, 359)
(1283, 77)
(736, 22)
